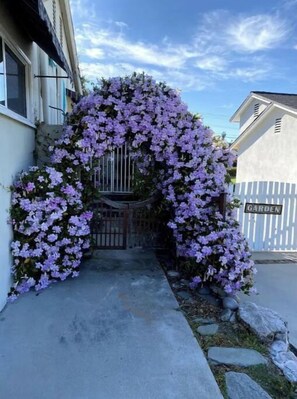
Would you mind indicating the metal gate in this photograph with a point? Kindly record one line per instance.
(131, 224)
(115, 171)
(269, 232)
(122, 225)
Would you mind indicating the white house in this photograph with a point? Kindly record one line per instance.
(38, 76)
(267, 169)
(267, 142)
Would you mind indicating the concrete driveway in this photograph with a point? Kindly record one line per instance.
(113, 333)
(276, 282)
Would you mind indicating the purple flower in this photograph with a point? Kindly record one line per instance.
(43, 282)
(166, 139)
(52, 237)
(30, 186)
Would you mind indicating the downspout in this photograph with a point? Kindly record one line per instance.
(44, 86)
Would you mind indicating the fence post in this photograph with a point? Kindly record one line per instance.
(223, 204)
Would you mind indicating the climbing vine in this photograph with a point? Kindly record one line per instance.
(171, 145)
(172, 150)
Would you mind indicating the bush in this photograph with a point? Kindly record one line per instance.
(51, 228)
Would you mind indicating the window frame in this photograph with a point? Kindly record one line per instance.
(22, 58)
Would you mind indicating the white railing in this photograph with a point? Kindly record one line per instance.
(114, 172)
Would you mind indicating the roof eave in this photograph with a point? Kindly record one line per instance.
(70, 38)
(236, 116)
(248, 130)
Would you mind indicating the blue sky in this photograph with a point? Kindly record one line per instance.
(214, 51)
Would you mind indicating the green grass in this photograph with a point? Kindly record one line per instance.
(231, 335)
(236, 335)
(268, 377)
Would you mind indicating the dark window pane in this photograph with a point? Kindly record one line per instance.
(2, 86)
(15, 81)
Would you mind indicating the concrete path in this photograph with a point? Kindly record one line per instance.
(276, 283)
(114, 333)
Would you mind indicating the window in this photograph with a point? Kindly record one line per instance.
(12, 81)
(278, 125)
(256, 110)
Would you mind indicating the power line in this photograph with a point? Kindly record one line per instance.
(213, 114)
(225, 127)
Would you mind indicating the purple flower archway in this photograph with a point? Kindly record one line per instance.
(172, 144)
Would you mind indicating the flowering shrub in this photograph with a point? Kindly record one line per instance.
(188, 169)
(50, 226)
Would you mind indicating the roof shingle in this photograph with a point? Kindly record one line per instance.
(290, 100)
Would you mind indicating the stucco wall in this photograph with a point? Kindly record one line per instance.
(268, 156)
(16, 154)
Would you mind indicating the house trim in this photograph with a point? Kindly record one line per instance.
(245, 104)
(236, 116)
(70, 42)
(13, 115)
(248, 130)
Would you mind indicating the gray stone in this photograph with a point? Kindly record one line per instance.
(287, 362)
(218, 290)
(281, 358)
(290, 370)
(208, 329)
(176, 286)
(173, 274)
(235, 356)
(204, 290)
(211, 299)
(233, 318)
(241, 386)
(262, 321)
(204, 320)
(184, 295)
(184, 282)
(226, 315)
(283, 337)
(45, 137)
(278, 346)
(230, 303)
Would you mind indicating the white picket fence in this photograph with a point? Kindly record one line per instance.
(269, 232)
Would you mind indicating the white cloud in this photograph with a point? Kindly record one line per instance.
(250, 74)
(175, 78)
(258, 32)
(222, 49)
(212, 63)
(220, 32)
(116, 45)
(83, 9)
(121, 24)
(96, 53)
